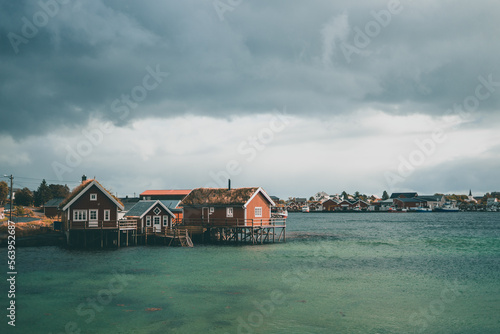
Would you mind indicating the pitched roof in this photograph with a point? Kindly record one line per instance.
(129, 202)
(331, 200)
(55, 202)
(409, 200)
(361, 201)
(172, 204)
(222, 196)
(175, 192)
(82, 188)
(143, 207)
(407, 195)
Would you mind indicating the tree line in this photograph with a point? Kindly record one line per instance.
(39, 197)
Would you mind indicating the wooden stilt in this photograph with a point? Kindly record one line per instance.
(253, 235)
(118, 238)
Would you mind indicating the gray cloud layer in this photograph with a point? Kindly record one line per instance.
(261, 56)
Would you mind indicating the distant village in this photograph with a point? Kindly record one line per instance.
(396, 202)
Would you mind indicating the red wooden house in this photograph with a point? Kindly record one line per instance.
(222, 206)
(90, 206)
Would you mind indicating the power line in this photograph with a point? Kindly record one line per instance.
(31, 182)
(40, 180)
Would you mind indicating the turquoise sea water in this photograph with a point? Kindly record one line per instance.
(337, 273)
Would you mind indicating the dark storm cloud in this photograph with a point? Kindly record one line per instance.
(263, 55)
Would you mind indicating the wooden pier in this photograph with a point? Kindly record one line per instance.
(250, 231)
(102, 233)
(123, 233)
(225, 231)
(175, 237)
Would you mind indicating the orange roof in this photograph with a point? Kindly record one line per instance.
(166, 192)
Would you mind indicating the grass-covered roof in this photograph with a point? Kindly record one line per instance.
(218, 196)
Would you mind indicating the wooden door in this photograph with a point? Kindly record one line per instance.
(157, 224)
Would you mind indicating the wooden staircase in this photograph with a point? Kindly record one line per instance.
(179, 235)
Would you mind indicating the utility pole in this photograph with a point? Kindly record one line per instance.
(11, 177)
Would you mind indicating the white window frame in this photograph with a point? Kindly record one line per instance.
(229, 212)
(96, 214)
(157, 211)
(258, 212)
(93, 197)
(107, 215)
(148, 221)
(79, 215)
(156, 218)
(165, 220)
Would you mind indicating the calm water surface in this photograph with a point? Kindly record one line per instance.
(337, 273)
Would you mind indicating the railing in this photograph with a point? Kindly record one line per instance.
(237, 222)
(173, 232)
(94, 224)
(128, 224)
(103, 224)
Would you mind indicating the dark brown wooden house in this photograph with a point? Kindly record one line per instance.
(405, 203)
(173, 196)
(51, 208)
(90, 206)
(154, 214)
(330, 205)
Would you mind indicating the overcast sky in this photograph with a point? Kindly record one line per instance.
(293, 96)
